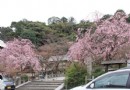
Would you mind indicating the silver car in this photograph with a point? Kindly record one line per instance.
(119, 79)
(6, 83)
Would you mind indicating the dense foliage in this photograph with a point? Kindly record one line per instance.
(75, 75)
(37, 32)
(6, 33)
(58, 29)
(97, 71)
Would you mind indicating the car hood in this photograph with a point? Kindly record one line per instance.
(8, 83)
(78, 88)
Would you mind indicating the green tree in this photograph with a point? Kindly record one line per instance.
(75, 75)
(36, 38)
(128, 19)
(6, 33)
(72, 20)
(53, 20)
(106, 17)
(37, 32)
(64, 30)
(85, 24)
(64, 20)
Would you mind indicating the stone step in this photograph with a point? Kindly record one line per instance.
(36, 88)
(44, 83)
(41, 85)
(55, 81)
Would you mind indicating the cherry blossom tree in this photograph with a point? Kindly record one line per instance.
(17, 55)
(111, 35)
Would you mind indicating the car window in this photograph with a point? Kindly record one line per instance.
(6, 79)
(117, 80)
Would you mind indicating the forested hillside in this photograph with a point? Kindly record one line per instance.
(58, 33)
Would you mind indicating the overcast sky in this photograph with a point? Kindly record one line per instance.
(41, 10)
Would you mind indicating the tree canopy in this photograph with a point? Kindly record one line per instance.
(17, 55)
(110, 36)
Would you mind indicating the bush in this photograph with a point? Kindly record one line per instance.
(71, 37)
(75, 75)
(24, 78)
(97, 72)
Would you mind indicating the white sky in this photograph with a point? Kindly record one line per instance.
(41, 10)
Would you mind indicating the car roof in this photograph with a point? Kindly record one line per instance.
(128, 67)
(120, 70)
(125, 69)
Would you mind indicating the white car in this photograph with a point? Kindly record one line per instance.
(119, 79)
(6, 83)
(2, 85)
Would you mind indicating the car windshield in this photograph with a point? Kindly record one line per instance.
(6, 79)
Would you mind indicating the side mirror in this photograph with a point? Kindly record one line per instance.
(92, 85)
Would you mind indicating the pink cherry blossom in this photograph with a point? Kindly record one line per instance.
(110, 36)
(18, 54)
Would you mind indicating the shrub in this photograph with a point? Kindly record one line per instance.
(24, 78)
(75, 75)
(71, 37)
(97, 72)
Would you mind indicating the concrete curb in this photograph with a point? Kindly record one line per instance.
(22, 84)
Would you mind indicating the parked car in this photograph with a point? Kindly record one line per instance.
(6, 83)
(9, 83)
(113, 80)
